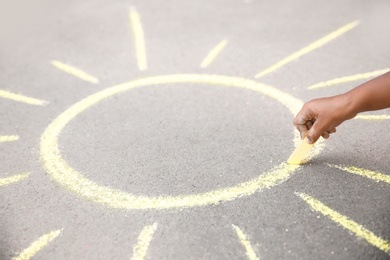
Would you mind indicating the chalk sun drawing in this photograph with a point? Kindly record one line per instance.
(75, 181)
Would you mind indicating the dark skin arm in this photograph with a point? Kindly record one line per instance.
(320, 117)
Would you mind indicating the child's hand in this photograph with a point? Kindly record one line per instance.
(320, 117)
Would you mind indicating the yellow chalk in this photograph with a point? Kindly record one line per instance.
(13, 179)
(37, 245)
(21, 98)
(74, 71)
(250, 252)
(377, 176)
(346, 79)
(8, 138)
(75, 181)
(139, 39)
(372, 117)
(311, 47)
(357, 229)
(300, 152)
(141, 248)
(213, 54)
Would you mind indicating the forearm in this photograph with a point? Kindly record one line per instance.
(372, 95)
(325, 114)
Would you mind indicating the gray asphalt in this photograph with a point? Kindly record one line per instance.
(167, 140)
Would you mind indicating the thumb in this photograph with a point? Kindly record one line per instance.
(316, 131)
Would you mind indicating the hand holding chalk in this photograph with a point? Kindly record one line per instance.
(320, 117)
(317, 118)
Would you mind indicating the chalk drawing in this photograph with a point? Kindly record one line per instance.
(37, 245)
(347, 223)
(74, 71)
(8, 138)
(73, 180)
(246, 243)
(372, 117)
(70, 178)
(12, 179)
(139, 39)
(309, 48)
(22, 99)
(377, 176)
(347, 79)
(141, 248)
(213, 54)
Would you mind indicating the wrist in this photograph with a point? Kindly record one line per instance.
(352, 105)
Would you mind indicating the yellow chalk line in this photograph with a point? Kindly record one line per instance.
(347, 223)
(372, 117)
(364, 172)
(213, 54)
(250, 252)
(309, 48)
(37, 245)
(13, 179)
(22, 99)
(139, 39)
(141, 248)
(8, 138)
(346, 79)
(75, 181)
(74, 71)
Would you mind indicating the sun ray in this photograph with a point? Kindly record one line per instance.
(139, 39)
(331, 36)
(213, 54)
(347, 223)
(246, 243)
(346, 79)
(21, 98)
(8, 138)
(372, 117)
(250, 252)
(37, 245)
(74, 71)
(377, 176)
(13, 179)
(141, 248)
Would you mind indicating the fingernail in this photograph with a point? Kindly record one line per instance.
(309, 140)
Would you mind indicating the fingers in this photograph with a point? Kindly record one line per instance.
(302, 132)
(326, 135)
(318, 118)
(314, 133)
(303, 121)
(319, 129)
(303, 129)
(309, 124)
(302, 117)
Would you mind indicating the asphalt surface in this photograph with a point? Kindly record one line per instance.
(183, 139)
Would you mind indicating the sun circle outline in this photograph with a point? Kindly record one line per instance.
(73, 180)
